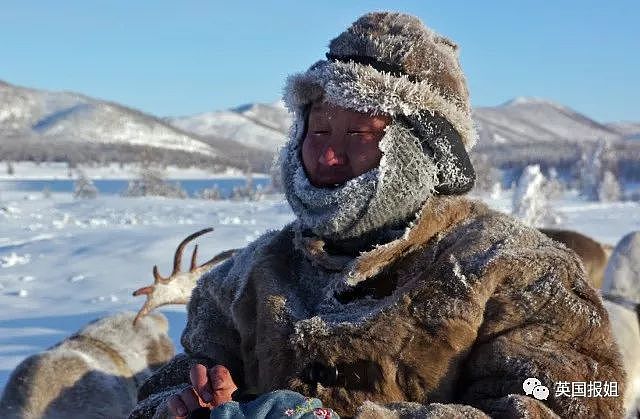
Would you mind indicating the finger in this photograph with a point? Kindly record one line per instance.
(222, 384)
(189, 398)
(176, 407)
(220, 377)
(200, 382)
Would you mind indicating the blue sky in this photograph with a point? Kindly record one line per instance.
(180, 58)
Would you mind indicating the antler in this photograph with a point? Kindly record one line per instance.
(176, 289)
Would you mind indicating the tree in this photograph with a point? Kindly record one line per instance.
(593, 166)
(487, 175)
(83, 187)
(212, 193)
(10, 170)
(609, 188)
(151, 182)
(247, 192)
(530, 201)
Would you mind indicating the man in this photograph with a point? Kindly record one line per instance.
(389, 295)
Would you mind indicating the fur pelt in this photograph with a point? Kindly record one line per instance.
(625, 325)
(594, 255)
(451, 318)
(91, 374)
(621, 291)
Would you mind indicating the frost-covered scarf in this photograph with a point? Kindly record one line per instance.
(372, 206)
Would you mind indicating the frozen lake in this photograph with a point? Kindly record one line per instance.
(117, 186)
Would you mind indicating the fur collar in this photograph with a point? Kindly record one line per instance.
(436, 216)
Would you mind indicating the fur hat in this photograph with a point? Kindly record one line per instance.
(389, 63)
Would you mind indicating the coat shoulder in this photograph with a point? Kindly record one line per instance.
(230, 277)
(488, 235)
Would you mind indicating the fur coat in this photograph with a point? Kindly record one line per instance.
(448, 320)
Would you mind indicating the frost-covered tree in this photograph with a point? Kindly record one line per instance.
(590, 171)
(213, 193)
(10, 170)
(152, 182)
(609, 188)
(592, 167)
(83, 187)
(554, 188)
(530, 201)
(487, 175)
(248, 192)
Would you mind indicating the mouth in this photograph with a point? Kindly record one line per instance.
(330, 178)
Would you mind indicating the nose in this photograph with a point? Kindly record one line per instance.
(329, 157)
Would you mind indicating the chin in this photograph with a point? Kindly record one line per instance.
(331, 180)
(326, 185)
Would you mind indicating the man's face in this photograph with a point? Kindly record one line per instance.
(341, 144)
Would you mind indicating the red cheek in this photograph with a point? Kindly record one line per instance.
(366, 155)
(310, 153)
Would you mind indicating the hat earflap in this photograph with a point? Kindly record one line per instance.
(444, 145)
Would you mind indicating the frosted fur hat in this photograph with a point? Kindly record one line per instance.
(384, 63)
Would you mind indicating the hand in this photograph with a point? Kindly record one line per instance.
(208, 389)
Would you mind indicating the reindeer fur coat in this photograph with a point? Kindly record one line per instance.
(447, 321)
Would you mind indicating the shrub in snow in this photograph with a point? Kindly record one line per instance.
(609, 188)
(247, 192)
(10, 169)
(530, 200)
(212, 193)
(151, 182)
(275, 178)
(84, 187)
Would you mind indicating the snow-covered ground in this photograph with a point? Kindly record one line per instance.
(64, 262)
(54, 170)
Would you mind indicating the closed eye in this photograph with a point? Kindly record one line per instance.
(363, 136)
(319, 132)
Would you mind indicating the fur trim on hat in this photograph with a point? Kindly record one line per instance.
(428, 76)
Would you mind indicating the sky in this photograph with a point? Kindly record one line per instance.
(187, 57)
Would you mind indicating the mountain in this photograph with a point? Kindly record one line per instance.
(629, 130)
(38, 125)
(43, 125)
(526, 120)
(517, 122)
(262, 126)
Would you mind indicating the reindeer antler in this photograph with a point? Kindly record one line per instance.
(176, 289)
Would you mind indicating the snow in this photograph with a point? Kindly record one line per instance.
(536, 120)
(262, 126)
(55, 170)
(74, 117)
(66, 262)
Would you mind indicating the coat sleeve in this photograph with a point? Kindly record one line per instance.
(209, 338)
(551, 327)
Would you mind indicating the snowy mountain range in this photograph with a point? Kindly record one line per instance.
(526, 120)
(263, 126)
(519, 121)
(39, 124)
(44, 125)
